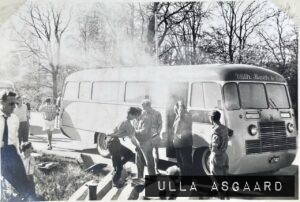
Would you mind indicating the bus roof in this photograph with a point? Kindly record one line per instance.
(215, 72)
(5, 83)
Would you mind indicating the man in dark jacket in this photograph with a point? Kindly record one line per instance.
(183, 140)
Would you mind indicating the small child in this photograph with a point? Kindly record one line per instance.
(29, 163)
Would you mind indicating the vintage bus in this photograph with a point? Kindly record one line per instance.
(254, 103)
(6, 85)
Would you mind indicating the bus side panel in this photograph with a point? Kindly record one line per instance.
(69, 119)
(99, 117)
(201, 134)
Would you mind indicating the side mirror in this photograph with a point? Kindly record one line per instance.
(230, 132)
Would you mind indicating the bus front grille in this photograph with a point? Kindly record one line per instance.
(272, 138)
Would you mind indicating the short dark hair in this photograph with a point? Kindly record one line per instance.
(48, 100)
(135, 111)
(6, 94)
(215, 115)
(25, 146)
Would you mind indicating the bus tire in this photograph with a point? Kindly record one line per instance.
(101, 145)
(201, 161)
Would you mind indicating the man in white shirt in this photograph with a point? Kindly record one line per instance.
(22, 113)
(12, 168)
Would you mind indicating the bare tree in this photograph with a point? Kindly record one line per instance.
(46, 27)
(241, 19)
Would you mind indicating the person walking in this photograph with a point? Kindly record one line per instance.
(218, 146)
(156, 126)
(49, 113)
(12, 168)
(183, 140)
(144, 155)
(121, 154)
(22, 113)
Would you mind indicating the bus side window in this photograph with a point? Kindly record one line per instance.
(136, 92)
(71, 90)
(231, 96)
(107, 92)
(212, 95)
(85, 90)
(197, 96)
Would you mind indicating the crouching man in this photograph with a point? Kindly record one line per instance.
(121, 154)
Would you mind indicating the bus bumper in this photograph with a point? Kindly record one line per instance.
(265, 162)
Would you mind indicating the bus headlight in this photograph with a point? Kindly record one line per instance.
(290, 127)
(252, 129)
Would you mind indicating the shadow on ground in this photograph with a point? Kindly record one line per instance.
(39, 130)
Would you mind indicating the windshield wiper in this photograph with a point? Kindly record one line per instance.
(272, 103)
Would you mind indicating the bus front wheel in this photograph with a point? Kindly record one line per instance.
(201, 161)
(101, 145)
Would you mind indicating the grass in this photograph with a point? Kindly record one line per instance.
(60, 182)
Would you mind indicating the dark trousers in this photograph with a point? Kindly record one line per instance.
(119, 155)
(184, 160)
(12, 169)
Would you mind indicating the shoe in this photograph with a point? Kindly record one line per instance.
(138, 181)
(49, 147)
(117, 185)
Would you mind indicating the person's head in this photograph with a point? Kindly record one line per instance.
(215, 116)
(26, 148)
(8, 102)
(146, 104)
(133, 113)
(48, 100)
(19, 100)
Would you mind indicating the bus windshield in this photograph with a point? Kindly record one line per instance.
(255, 96)
(252, 96)
(277, 96)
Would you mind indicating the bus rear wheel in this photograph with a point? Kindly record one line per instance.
(101, 145)
(201, 161)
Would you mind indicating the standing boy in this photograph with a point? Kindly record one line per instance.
(218, 146)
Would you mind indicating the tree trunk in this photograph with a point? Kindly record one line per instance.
(55, 83)
(151, 30)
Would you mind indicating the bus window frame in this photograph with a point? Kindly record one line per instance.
(150, 82)
(239, 96)
(120, 100)
(204, 108)
(91, 90)
(125, 91)
(74, 99)
(254, 82)
(286, 92)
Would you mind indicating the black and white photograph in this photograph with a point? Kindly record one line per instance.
(149, 100)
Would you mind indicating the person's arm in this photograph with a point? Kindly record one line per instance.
(215, 141)
(41, 108)
(134, 141)
(16, 135)
(28, 114)
(159, 122)
(145, 127)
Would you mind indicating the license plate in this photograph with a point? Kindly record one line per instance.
(274, 159)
